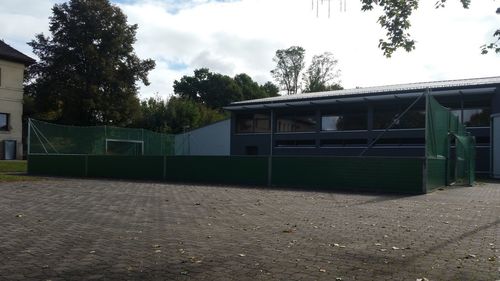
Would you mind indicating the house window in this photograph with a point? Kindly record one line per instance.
(253, 123)
(4, 122)
(296, 123)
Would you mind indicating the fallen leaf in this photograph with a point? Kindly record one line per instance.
(322, 270)
(241, 255)
(395, 248)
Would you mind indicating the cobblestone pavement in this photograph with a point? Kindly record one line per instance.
(65, 229)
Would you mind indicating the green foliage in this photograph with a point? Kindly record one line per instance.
(185, 114)
(289, 64)
(211, 89)
(494, 46)
(270, 89)
(153, 115)
(88, 70)
(322, 72)
(395, 20)
(216, 90)
(18, 166)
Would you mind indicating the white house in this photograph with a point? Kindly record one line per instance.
(12, 64)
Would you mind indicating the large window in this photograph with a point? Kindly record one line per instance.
(342, 122)
(4, 122)
(253, 123)
(473, 117)
(477, 117)
(413, 119)
(296, 123)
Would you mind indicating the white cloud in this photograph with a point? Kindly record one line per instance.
(242, 36)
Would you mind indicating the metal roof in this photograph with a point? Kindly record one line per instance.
(11, 54)
(371, 91)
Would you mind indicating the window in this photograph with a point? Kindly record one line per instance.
(343, 122)
(413, 119)
(343, 142)
(477, 117)
(253, 123)
(285, 143)
(296, 123)
(4, 122)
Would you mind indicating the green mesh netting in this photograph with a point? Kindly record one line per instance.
(47, 138)
(447, 138)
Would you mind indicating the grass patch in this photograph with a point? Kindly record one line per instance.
(13, 177)
(13, 166)
(14, 170)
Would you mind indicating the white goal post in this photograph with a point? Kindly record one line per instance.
(125, 141)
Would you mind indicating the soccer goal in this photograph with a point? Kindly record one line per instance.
(124, 147)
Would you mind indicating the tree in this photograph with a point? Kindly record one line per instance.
(211, 89)
(395, 20)
(154, 115)
(289, 64)
(216, 90)
(270, 89)
(88, 70)
(249, 88)
(183, 114)
(321, 73)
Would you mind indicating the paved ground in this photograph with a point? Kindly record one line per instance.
(62, 229)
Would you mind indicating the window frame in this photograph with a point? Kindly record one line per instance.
(5, 128)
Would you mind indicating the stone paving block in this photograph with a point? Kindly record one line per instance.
(74, 229)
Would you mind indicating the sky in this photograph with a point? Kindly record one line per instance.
(242, 36)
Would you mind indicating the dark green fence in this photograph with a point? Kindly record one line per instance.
(402, 175)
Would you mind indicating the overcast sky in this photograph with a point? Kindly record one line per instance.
(232, 37)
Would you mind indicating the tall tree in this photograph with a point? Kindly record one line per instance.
(270, 89)
(289, 64)
(212, 89)
(154, 115)
(249, 88)
(88, 70)
(322, 74)
(184, 114)
(216, 90)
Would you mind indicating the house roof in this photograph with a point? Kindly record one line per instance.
(373, 91)
(11, 54)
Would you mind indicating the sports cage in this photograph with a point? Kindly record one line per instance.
(46, 138)
(113, 152)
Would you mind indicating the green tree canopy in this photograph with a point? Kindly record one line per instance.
(289, 65)
(322, 74)
(185, 114)
(270, 89)
(88, 70)
(216, 90)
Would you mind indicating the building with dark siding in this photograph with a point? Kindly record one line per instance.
(346, 122)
